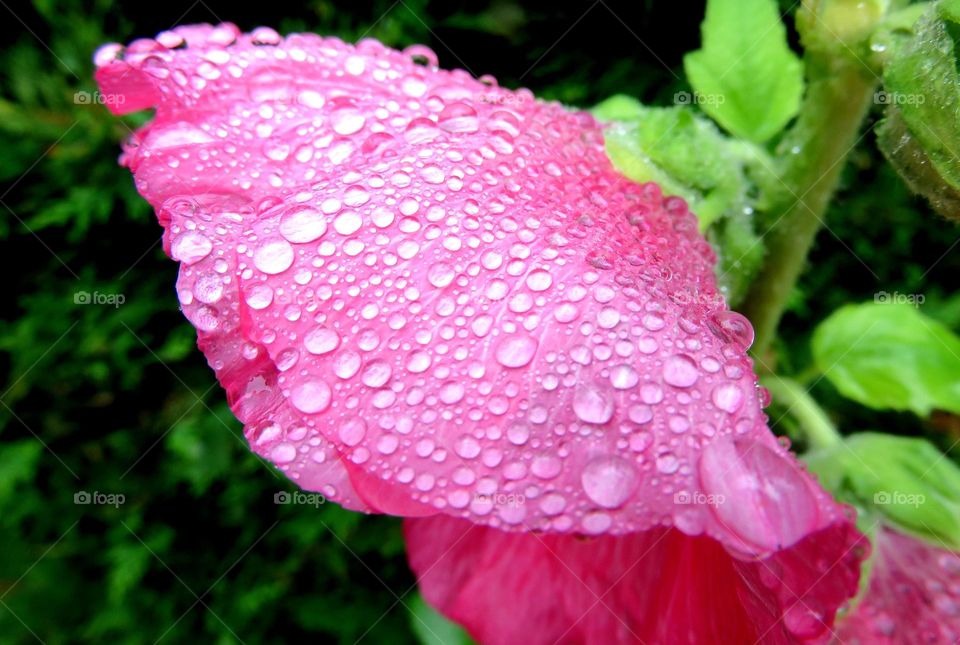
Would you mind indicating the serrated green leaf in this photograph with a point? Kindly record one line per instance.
(904, 479)
(920, 133)
(689, 157)
(745, 76)
(890, 356)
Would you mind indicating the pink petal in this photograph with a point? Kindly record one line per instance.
(657, 586)
(913, 597)
(441, 290)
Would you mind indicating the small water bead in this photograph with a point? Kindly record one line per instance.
(321, 340)
(347, 364)
(208, 288)
(377, 373)
(440, 275)
(516, 351)
(311, 396)
(668, 463)
(190, 247)
(609, 481)
(458, 117)
(727, 397)
(283, 453)
(592, 404)
(452, 392)
(596, 523)
(467, 447)
(348, 223)
(347, 121)
(352, 431)
(273, 256)
(539, 281)
(608, 318)
(733, 327)
(624, 377)
(546, 466)
(680, 371)
(418, 362)
(566, 312)
(303, 225)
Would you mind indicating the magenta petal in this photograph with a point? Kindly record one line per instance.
(657, 586)
(425, 293)
(913, 597)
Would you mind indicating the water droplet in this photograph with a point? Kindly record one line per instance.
(592, 404)
(623, 377)
(352, 432)
(609, 481)
(680, 371)
(321, 340)
(303, 225)
(516, 351)
(727, 397)
(311, 397)
(191, 247)
(377, 373)
(273, 257)
(440, 275)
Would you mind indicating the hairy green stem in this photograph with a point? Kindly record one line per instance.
(812, 156)
(818, 430)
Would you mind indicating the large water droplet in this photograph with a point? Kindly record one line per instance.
(311, 397)
(609, 481)
(321, 340)
(680, 371)
(516, 351)
(273, 257)
(592, 404)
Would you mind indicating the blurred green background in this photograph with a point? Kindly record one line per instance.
(117, 399)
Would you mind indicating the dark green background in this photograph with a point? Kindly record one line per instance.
(119, 400)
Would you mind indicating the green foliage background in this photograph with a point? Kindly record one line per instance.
(118, 400)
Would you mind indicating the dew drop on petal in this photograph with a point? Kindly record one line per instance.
(609, 481)
(516, 351)
(592, 404)
(680, 371)
(273, 257)
(311, 397)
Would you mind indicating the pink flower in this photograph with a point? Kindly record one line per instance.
(912, 597)
(426, 295)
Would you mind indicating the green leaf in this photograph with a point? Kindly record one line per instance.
(890, 356)
(432, 628)
(920, 133)
(904, 479)
(721, 179)
(745, 76)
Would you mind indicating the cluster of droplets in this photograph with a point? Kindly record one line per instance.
(444, 280)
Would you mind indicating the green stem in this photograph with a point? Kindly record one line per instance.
(812, 155)
(818, 430)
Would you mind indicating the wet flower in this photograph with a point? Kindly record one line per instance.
(429, 296)
(913, 594)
